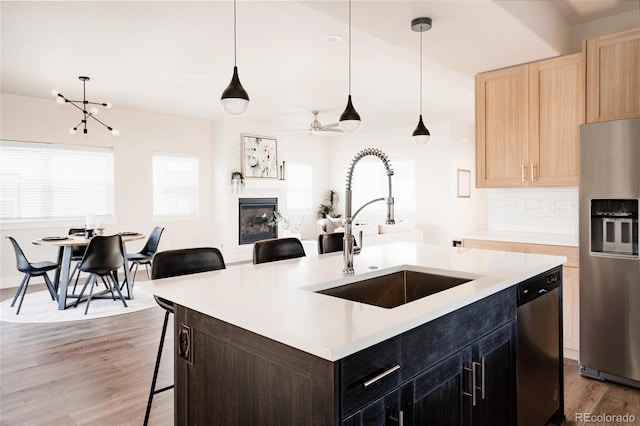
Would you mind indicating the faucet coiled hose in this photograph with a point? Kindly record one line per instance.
(364, 153)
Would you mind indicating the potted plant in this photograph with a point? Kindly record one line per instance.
(328, 207)
(237, 182)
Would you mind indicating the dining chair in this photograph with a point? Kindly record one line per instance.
(172, 263)
(145, 256)
(29, 269)
(103, 257)
(77, 252)
(275, 249)
(330, 242)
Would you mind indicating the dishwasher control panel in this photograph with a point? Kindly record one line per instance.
(539, 285)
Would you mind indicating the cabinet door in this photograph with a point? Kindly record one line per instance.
(502, 127)
(613, 76)
(441, 395)
(496, 354)
(383, 412)
(556, 110)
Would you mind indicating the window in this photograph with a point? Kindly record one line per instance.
(44, 182)
(299, 183)
(370, 181)
(175, 184)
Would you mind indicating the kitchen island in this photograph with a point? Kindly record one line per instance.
(257, 344)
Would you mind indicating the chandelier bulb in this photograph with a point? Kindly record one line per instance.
(94, 111)
(107, 105)
(73, 130)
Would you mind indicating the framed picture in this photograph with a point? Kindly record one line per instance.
(259, 157)
(464, 183)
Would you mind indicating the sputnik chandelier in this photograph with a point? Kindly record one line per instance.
(82, 106)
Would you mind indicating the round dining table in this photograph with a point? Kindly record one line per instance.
(65, 246)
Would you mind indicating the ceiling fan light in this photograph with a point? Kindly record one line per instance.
(421, 134)
(235, 100)
(350, 119)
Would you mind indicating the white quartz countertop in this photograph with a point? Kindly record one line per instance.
(525, 237)
(277, 299)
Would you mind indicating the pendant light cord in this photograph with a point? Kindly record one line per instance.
(349, 47)
(421, 32)
(235, 54)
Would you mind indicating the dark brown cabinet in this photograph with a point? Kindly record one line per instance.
(230, 376)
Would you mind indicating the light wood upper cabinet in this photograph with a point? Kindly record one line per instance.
(556, 110)
(527, 123)
(613, 76)
(501, 126)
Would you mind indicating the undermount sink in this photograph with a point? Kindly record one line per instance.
(395, 289)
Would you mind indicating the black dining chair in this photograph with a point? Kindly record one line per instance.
(145, 256)
(37, 269)
(103, 257)
(77, 252)
(172, 263)
(277, 249)
(330, 242)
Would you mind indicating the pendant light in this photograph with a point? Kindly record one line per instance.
(235, 99)
(421, 134)
(350, 119)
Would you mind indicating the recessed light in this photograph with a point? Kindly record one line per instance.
(333, 38)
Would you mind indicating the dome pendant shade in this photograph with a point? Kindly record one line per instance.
(421, 134)
(350, 119)
(235, 99)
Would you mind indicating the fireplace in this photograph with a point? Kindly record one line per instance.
(254, 215)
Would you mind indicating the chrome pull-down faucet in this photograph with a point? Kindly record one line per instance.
(349, 239)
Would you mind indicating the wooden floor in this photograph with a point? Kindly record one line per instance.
(98, 372)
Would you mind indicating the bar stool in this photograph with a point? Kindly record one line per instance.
(172, 263)
(277, 249)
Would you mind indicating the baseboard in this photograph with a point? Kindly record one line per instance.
(570, 354)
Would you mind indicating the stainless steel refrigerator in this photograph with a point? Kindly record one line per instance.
(609, 261)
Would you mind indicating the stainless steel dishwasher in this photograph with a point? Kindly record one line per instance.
(540, 368)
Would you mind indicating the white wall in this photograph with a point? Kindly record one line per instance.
(35, 119)
(604, 26)
(440, 213)
(292, 148)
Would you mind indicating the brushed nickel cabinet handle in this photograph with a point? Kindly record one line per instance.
(534, 166)
(482, 383)
(399, 419)
(381, 375)
(473, 384)
(524, 172)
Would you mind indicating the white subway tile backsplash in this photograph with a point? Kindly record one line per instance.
(538, 210)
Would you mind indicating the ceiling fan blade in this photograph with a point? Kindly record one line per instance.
(329, 126)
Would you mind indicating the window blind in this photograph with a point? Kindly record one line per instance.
(42, 181)
(175, 184)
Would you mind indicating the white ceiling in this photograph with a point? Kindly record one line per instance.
(177, 57)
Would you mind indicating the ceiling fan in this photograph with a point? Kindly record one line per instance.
(316, 127)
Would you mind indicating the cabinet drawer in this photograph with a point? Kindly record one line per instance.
(426, 345)
(368, 375)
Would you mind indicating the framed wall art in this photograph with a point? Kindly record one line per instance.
(259, 157)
